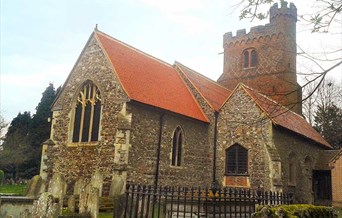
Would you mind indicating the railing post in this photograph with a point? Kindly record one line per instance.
(126, 203)
(148, 201)
(199, 195)
(142, 209)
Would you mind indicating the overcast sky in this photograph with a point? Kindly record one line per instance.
(42, 39)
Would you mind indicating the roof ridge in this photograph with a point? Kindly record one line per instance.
(245, 88)
(204, 77)
(134, 48)
(270, 99)
(187, 77)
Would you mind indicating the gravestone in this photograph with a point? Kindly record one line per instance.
(71, 204)
(45, 207)
(117, 189)
(79, 185)
(35, 186)
(97, 180)
(117, 186)
(89, 201)
(57, 186)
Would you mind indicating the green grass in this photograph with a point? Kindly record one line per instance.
(105, 214)
(13, 189)
(340, 212)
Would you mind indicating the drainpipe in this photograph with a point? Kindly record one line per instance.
(214, 185)
(158, 149)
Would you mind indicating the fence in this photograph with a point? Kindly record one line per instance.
(148, 201)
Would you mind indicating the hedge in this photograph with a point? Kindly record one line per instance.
(295, 210)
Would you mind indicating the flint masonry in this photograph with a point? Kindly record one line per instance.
(120, 110)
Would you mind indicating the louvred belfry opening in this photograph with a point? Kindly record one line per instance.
(236, 160)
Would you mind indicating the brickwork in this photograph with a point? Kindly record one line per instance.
(336, 174)
(275, 44)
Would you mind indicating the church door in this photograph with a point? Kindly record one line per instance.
(321, 180)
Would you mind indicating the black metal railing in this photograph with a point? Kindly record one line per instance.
(149, 201)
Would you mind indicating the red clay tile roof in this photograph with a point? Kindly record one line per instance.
(210, 90)
(286, 118)
(149, 80)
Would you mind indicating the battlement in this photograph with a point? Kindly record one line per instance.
(261, 29)
(283, 11)
(275, 25)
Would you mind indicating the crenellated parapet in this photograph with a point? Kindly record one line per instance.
(255, 35)
(276, 12)
(272, 30)
(265, 57)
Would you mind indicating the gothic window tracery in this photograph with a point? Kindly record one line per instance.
(236, 160)
(177, 146)
(87, 114)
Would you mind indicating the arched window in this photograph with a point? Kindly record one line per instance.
(236, 160)
(246, 59)
(253, 58)
(292, 169)
(87, 114)
(177, 144)
(250, 58)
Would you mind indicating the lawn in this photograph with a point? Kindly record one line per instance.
(13, 189)
(105, 214)
(340, 212)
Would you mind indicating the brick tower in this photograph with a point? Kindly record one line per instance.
(265, 58)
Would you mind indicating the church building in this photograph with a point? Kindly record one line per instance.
(127, 115)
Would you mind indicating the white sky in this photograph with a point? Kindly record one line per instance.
(41, 39)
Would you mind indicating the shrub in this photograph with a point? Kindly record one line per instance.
(2, 177)
(294, 210)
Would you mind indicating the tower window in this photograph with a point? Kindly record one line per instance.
(87, 114)
(177, 144)
(246, 59)
(236, 160)
(250, 58)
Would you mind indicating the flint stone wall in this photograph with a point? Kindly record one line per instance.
(306, 155)
(128, 135)
(75, 161)
(196, 162)
(241, 121)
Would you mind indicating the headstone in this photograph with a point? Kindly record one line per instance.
(93, 202)
(97, 180)
(84, 195)
(35, 186)
(79, 185)
(71, 204)
(45, 207)
(89, 201)
(57, 186)
(117, 186)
